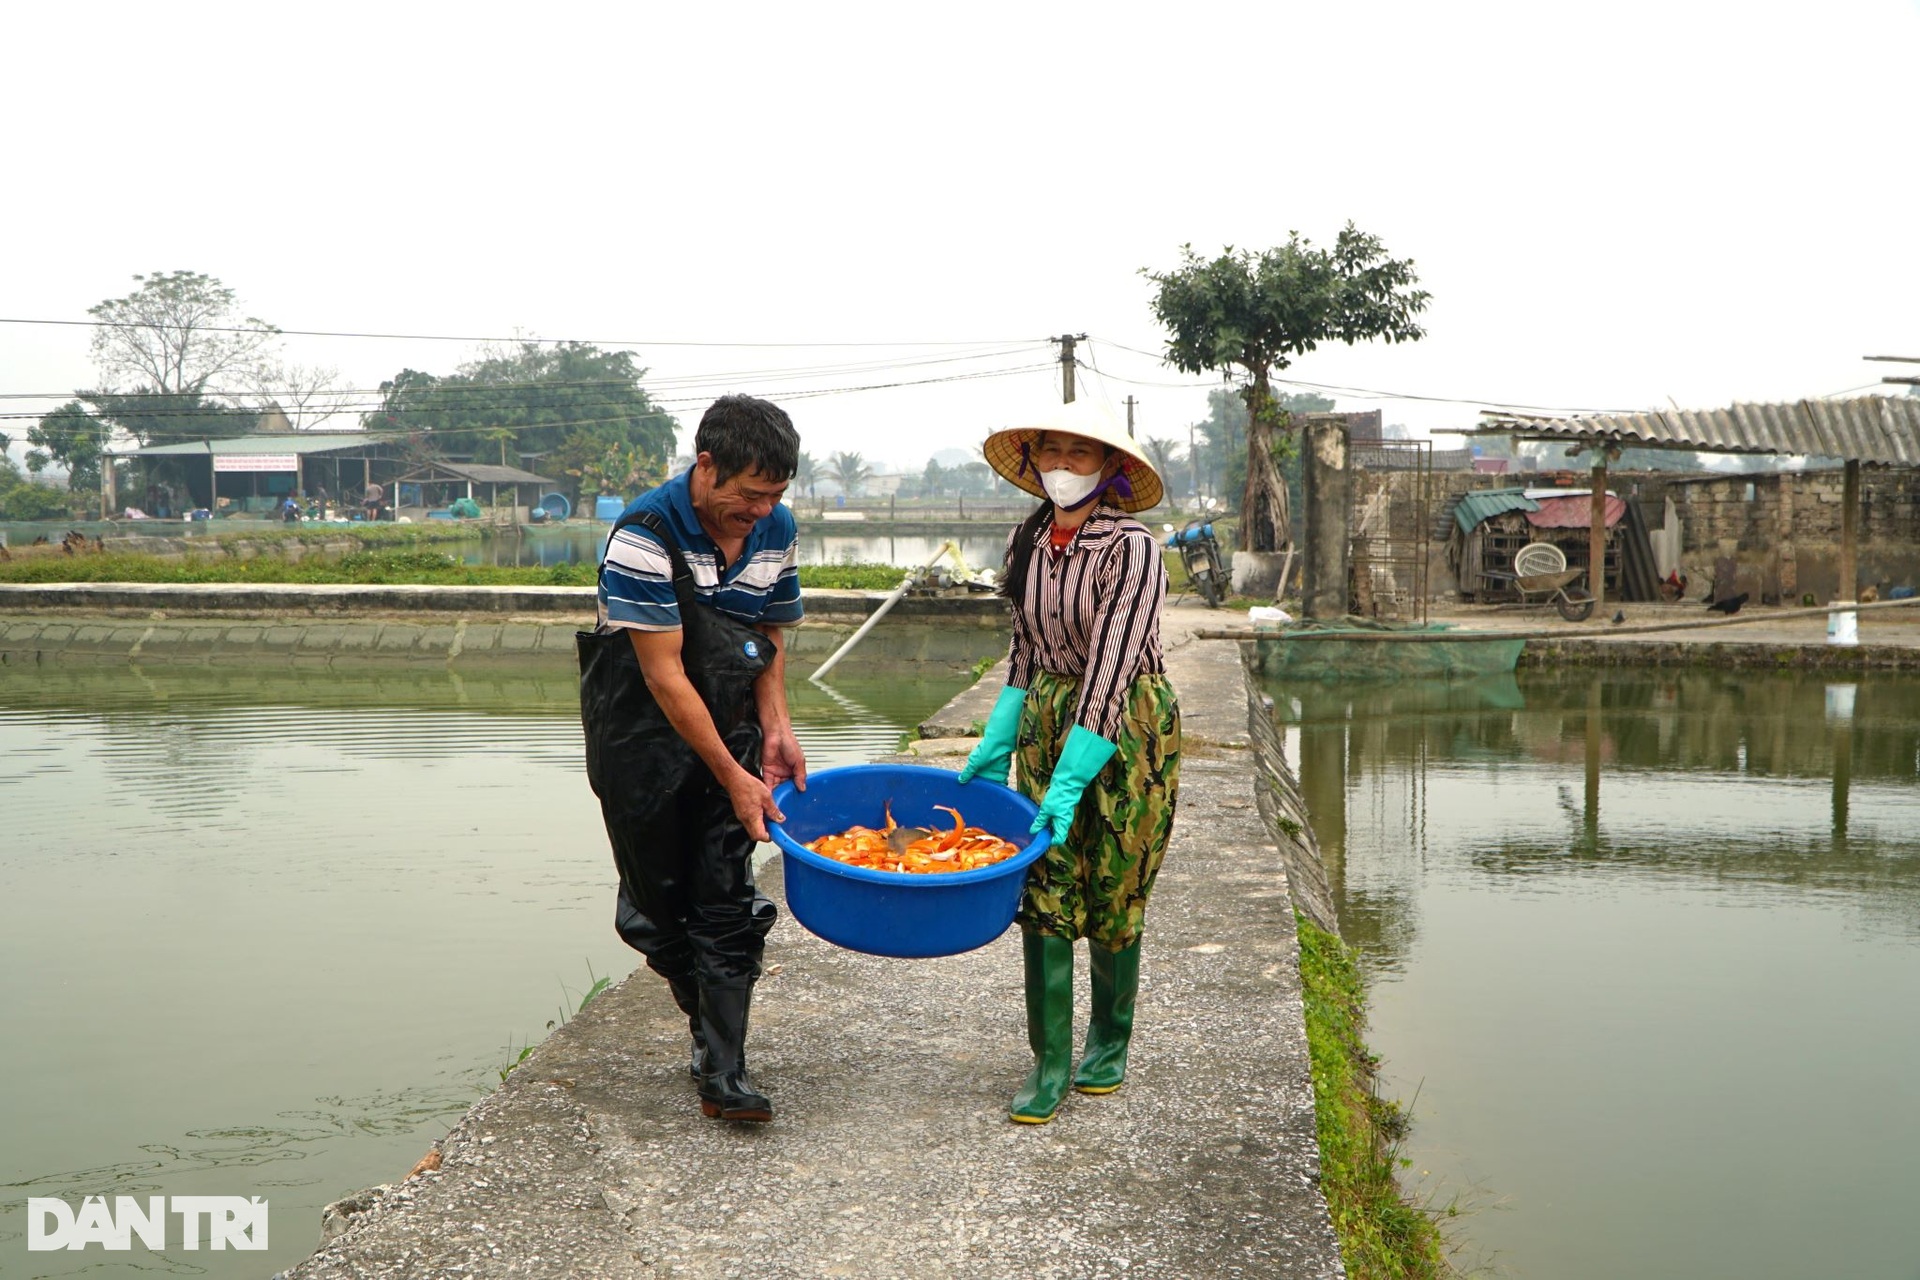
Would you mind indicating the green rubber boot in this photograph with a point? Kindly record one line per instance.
(1116, 981)
(1049, 971)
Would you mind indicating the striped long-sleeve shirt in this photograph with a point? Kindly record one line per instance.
(1092, 612)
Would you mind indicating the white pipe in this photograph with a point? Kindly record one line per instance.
(879, 613)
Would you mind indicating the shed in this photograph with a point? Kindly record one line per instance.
(254, 473)
(438, 483)
(1491, 525)
(1863, 430)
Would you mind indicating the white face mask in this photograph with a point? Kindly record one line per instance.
(1067, 488)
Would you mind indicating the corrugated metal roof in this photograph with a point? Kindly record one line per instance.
(1880, 429)
(302, 442)
(1484, 504)
(479, 472)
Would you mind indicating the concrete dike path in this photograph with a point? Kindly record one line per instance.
(327, 625)
(891, 1154)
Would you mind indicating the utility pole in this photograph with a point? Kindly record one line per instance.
(1130, 403)
(1066, 341)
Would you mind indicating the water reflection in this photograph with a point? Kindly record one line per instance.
(1645, 944)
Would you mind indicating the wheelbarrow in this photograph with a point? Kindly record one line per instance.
(1540, 570)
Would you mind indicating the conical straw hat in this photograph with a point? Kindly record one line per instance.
(1005, 451)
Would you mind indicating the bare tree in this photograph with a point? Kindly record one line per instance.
(307, 394)
(176, 334)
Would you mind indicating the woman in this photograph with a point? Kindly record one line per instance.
(1088, 711)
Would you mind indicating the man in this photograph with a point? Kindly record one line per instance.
(683, 699)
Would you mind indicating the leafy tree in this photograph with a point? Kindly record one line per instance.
(850, 471)
(807, 473)
(583, 406)
(153, 418)
(933, 480)
(976, 479)
(1252, 314)
(72, 437)
(1222, 441)
(603, 466)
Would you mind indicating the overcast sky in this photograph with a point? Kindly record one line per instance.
(1619, 206)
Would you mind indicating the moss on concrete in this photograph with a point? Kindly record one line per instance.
(1382, 1237)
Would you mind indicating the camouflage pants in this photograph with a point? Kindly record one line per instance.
(1095, 886)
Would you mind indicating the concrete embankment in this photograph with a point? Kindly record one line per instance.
(1764, 639)
(891, 1154)
(324, 625)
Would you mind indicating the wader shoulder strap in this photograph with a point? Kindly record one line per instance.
(682, 575)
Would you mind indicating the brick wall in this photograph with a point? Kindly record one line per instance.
(1783, 530)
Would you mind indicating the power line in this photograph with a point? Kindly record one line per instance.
(808, 393)
(445, 384)
(522, 339)
(1363, 392)
(449, 396)
(1371, 394)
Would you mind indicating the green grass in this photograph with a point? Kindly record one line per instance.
(390, 566)
(598, 985)
(1382, 1237)
(851, 577)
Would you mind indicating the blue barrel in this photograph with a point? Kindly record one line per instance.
(607, 507)
(1198, 533)
(888, 913)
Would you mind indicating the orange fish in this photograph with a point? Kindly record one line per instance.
(915, 850)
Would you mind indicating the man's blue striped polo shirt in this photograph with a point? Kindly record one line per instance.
(636, 575)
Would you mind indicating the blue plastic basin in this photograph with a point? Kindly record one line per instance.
(889, 913)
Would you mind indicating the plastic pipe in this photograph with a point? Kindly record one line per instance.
(877, 614)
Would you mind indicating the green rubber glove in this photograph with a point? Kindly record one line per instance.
(991, 758)
(1081, 760)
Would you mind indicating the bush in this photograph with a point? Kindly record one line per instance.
(25, 500)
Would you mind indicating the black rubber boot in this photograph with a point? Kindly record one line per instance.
(686, 994)
(726, 1092)
(1049, 979)
(1116, 981)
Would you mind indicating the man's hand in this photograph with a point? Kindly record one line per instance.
(781, 759)
(752, 803)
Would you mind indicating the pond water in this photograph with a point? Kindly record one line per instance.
(1645, 952)
(580, 544)
(271, 932)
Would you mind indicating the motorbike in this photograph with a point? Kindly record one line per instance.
(1200, 557)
